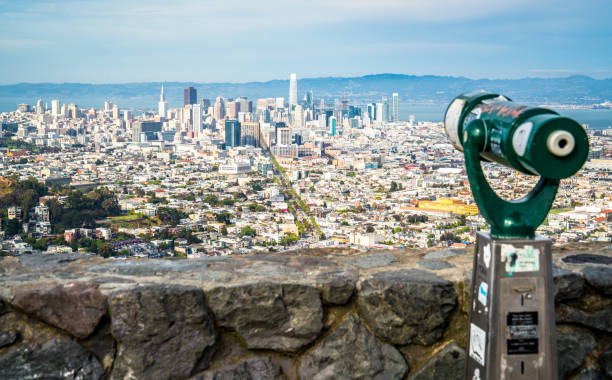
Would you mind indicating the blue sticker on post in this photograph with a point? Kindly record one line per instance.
(483, 291)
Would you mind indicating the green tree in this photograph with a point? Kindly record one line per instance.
(256, 186)
(247, 231)
(228, 201)
(449, 236)
(289, 238)
(40, 244)
(28, 199)
(224, 217)
(11, 227)
(170, 216)
(393, 186)
(211, 199)
(111, 206)
(105, 250)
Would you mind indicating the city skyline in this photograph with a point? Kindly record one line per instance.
(114, 42)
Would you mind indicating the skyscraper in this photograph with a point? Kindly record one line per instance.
(232, 110)
(395, 107)
(250, 133)
(116, 112)
(243, 104)
(298, 117)
(232, 133)
(196, 111)
(372, 111)
(309, 99)
(205, 103)
(385, 109)
(73, 111)
(379, 112)
(143, 128)
(283, 136)
(332, 126)
(55, 107)
(163, 105)
(279, 103)
(219, 110)
(293, 91)
(190, 95)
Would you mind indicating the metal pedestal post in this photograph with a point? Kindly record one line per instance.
(512, 326)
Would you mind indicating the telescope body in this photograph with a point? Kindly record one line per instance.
(532, 140)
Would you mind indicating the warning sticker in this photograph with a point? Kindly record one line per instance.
(522, 333)
(522, 318)
(522, 346)
(478, 342)
(523, 259)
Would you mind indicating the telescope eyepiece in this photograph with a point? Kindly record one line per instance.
(560, 143)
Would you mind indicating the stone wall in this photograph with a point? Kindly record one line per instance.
(308, 314)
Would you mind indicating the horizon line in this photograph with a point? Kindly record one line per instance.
(305, 78)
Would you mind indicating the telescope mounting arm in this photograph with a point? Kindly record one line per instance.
(508, 219)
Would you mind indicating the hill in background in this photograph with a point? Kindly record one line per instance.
(573, 90)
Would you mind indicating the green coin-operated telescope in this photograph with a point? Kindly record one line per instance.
(534, 141)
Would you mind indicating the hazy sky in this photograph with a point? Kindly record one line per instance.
(235, 41)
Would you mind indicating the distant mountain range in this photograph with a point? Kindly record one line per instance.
(572, 90)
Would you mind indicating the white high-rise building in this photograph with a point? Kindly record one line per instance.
(163, 105)
(293, 91)
(298, 117)
(284, 136)
(280, 103)
(196, 110)
(322, 121)
(395, 107)
(55, 107)
(116, 112)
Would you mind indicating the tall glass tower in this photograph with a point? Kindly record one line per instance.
(293, 92)
(190, 95)
(395, 107)
(232, 133)
(309, 100)
(385, 109)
